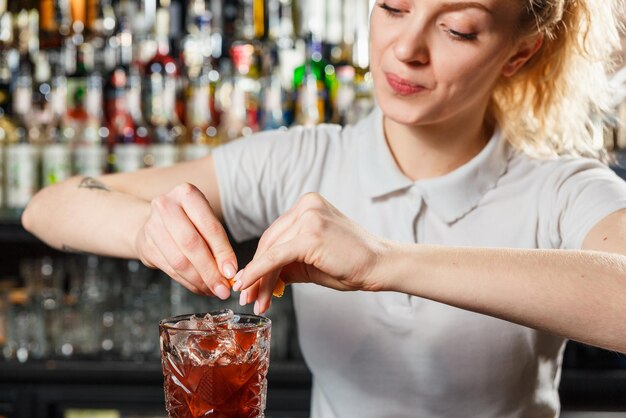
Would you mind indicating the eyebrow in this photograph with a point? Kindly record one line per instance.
(458, 5)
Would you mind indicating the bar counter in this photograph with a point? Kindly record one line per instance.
(47, 389)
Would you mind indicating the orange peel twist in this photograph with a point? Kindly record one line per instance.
(279, 289)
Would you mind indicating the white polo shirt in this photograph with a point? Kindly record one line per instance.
(388, 354)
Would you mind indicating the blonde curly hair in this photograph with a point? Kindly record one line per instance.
(550, 107)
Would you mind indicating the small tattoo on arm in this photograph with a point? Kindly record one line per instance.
(68, 249)
(91, 183)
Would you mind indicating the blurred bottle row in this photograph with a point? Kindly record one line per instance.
(93, 86)
(88, 307)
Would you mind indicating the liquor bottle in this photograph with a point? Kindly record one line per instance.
(291, 53)
(315, 86)
(363, 84)
(100, 26)
(223, 95)
(58, 85)
(273, 114)
(101, 18)
(201, 127)
(78, 65)
(55, 23)
(158, 95)
(195, 9)
(33, 33)
(217, 29)
(128, 137)
(251, 22)
(343, 106)
(158, 92)
(22, 160)
(95, 130)
(143, 24)
(8, 128)
(119, 119)
(55, 159)
(273, 19)
(42, 114)
(22, 98)
(201, 120)
(349, 33)
(133, 97)
(196, 46)
(241, 117)
(334, 31)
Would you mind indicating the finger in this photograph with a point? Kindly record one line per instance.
(266, 289)
(179, 263)
(308, 204)
(252, 293)
(192, 246)
(277, 230)
(187, 285)
(273, 260)
(160, 262)
(199, 211)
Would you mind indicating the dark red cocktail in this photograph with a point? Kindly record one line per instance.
(215, 365)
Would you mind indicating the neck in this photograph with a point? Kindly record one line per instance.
(434, 150)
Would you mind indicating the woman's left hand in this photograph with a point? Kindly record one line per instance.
(312, 242)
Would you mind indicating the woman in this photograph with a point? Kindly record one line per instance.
(486, 231)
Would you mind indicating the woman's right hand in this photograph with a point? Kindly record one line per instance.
(184, 238)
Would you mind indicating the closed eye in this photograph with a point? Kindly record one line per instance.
(389, 10)
(461, 36)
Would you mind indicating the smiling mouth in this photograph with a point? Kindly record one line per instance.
(403, 87)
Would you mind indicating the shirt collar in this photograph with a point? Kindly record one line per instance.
(450, 196)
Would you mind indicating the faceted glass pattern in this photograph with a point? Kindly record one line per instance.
(215, 364)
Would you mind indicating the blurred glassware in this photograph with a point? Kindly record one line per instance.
(26, 333)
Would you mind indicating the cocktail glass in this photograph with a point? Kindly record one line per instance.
(215, 364)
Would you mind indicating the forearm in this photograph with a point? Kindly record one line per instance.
(88, 216)
(577, 294)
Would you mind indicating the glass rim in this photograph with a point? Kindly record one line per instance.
(262, 323)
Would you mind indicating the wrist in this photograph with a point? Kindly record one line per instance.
(387, 272)
(143, 211)
(402, 266)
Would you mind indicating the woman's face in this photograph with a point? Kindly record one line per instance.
(436, 61)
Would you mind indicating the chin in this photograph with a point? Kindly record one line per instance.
(402, 112)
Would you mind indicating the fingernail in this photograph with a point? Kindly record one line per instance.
(243, 298)
(229, 270)
(237, 285)
(257, 308)
(222, 292)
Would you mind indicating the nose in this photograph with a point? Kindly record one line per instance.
(411, 46)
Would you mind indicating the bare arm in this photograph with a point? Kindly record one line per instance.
(103, 215)
(577, 294)
(86, 214)
(169, 218)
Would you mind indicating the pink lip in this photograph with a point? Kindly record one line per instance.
(401, 86)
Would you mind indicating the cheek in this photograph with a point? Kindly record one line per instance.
(466, 71)
(375, 42)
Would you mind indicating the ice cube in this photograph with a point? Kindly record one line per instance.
(204, 323)
(186, 324)
(224, 318)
